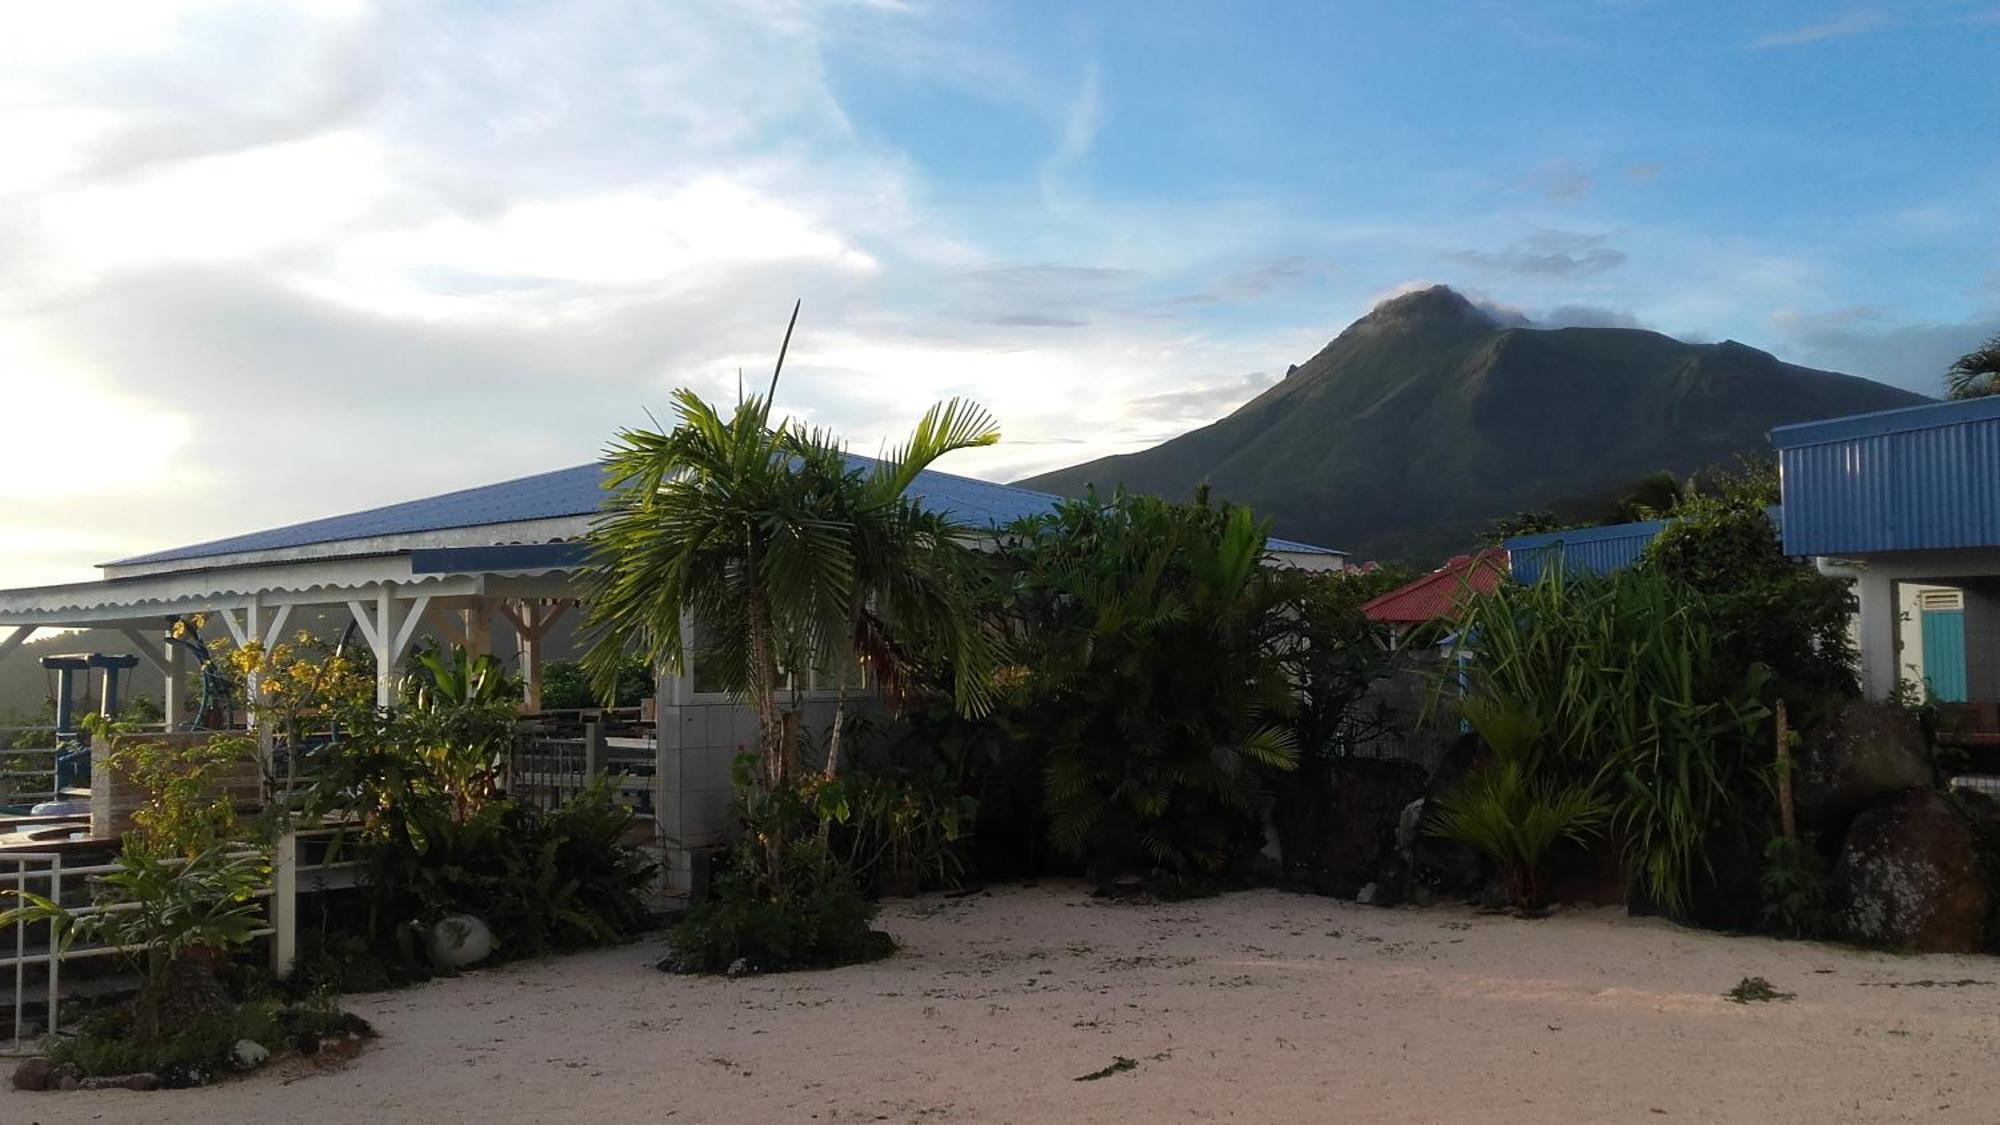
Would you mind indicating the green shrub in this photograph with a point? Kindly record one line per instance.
(799, 910)
(1150, 679)
(107, 1043)
(1763, 608)
(1797, 889)
(436, 838)
(1626, 681)
(1508, 814)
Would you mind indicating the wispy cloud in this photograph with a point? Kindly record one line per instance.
(1858, 22)
(1548, 253)
(1077, 133)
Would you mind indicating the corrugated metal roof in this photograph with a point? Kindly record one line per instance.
(1924, 478)
(578, 491)
(1583, 550)
(1440, 593)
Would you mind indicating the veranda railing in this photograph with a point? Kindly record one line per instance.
(33, 967)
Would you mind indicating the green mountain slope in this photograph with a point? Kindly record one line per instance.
(1428, 417)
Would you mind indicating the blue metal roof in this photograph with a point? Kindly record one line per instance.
(579, 491)
(1595, 551)
(1920, 478)
(1903, 419)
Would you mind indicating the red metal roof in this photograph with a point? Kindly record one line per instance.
(1439, 593)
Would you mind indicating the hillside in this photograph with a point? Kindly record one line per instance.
(1429, 417)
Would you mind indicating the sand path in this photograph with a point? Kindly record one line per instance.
(1251, 1007)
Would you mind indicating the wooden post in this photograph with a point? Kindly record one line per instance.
(593, 749)
(284, 908)
(1786, 819)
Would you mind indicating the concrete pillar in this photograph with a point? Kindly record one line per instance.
(1982, 640)
(1875, 632)
(170, 691)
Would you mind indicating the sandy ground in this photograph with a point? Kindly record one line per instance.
(1250, 1007)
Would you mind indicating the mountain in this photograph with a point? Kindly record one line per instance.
(1430, 416)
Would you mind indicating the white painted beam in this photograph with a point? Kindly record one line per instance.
(20, 634)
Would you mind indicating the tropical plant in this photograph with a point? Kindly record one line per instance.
(1797, 889)
(441, 681)
(784, 556)
(1150, 677)
(566, 687)
(175, 918)
(436, 838)
(1625, 681)
(1762, 607)
(188, 809)
(1514, 819)
(1975, 374)
(802, 912)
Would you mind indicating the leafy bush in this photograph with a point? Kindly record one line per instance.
(1762, 608)
(438, 839)
(187, 811)
(1149, 677)
(175, 919)
(566, 686)
(1514, 821)
(1797, 889)
(106, 1042)
(1508, 813)
(1625, 679)
(799, 909)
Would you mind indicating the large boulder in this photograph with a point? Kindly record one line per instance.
(1910, 879)
(1864, 753)
(1336, 835)
(1442, 870)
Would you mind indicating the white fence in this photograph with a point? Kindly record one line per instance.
(34, 967)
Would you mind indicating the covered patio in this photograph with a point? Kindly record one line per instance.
(492, 568)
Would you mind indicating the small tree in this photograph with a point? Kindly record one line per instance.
(1975, 374)
(783, 556)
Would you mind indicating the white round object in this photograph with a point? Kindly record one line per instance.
(458, 940)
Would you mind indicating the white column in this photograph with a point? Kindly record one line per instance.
(528, 634)
(253, 628)
(170, 691)
(1875, 632)
(385, 652)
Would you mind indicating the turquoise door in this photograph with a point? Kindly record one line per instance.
(1944, 653)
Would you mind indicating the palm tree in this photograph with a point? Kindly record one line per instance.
(1976, 374)
(784, 556)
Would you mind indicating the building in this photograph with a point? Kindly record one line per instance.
(1438, 595)
(1906, 504)
(464, 567)
(1902, 500)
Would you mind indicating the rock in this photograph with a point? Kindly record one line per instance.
(144, 1080)
(1366, 895)
(1442, 870)
(739, 967)
(34, 1074)
(459, 940)
(1866, 752)
(1336, 828)
(250, 1055)
(69, 1082)
(1909, 877)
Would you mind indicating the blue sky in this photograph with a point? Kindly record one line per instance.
(291, 260)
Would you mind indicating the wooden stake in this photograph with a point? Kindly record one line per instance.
(1786, 819)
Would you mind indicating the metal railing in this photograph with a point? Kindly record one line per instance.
(547, 770)
(39, 947)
